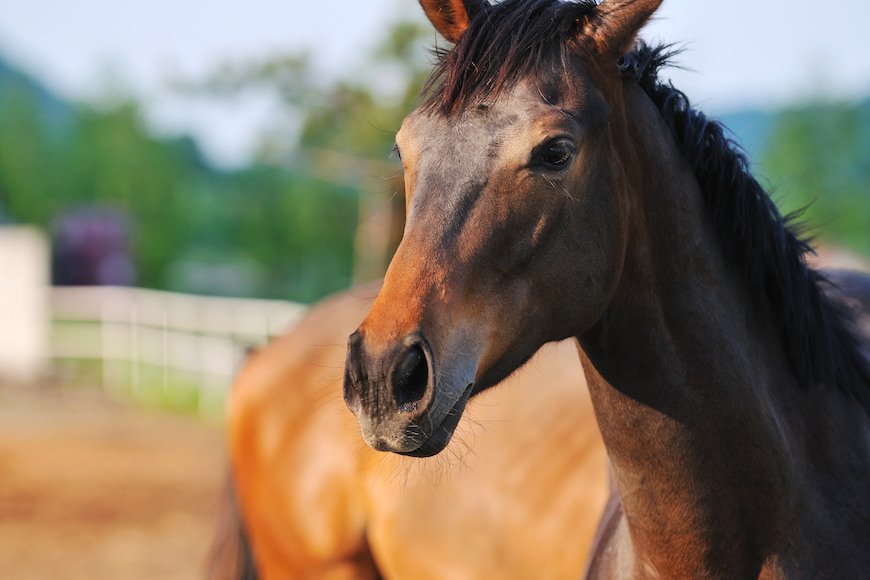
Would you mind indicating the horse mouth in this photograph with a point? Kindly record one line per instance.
(443, 433)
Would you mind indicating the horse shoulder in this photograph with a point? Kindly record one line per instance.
(296, 455)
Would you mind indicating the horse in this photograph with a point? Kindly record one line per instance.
(557, 189)
(311, 500)
(295, 376)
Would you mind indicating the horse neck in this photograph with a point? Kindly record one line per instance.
(688, 378)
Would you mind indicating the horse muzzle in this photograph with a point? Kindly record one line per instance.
(398, 398)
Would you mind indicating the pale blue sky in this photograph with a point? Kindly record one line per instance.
(743, 53)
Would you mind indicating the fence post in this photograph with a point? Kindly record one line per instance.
(24, 309)
(134, 346)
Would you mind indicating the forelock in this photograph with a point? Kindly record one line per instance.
(505, 42)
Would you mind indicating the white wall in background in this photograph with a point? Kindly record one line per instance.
(24, 309)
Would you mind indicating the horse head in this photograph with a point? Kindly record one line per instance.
(517, 226)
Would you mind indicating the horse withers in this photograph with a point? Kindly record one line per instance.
(556, 188)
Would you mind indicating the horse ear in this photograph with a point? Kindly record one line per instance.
(615, 23)
(451, 17)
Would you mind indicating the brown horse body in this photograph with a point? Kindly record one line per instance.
(555, 189)
(317, 503)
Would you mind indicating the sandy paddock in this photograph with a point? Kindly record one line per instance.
(92, 488)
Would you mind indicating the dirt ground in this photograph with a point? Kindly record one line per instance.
(93, 488)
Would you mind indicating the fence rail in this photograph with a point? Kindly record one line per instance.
(144, 336)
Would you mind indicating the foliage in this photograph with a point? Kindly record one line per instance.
(349, 118)
(818, 157)
(299, 231)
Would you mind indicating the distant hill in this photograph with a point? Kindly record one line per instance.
(53, 109)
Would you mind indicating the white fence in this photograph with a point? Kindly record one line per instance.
(142, 338)
(168, 347)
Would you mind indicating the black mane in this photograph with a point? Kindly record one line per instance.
(517, 37)
(817, 332)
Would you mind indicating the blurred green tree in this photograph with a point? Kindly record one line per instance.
(297, 230)
(350, 118)
(819, 158)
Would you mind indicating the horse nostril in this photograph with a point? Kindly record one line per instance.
(410, 378)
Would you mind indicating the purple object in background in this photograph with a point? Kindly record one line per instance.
(91, 247)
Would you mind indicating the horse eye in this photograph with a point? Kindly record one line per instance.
(557, 155)
(396, 151)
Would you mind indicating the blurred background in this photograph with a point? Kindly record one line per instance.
(179, 179)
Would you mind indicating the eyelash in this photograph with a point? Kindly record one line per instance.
(562, 149)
